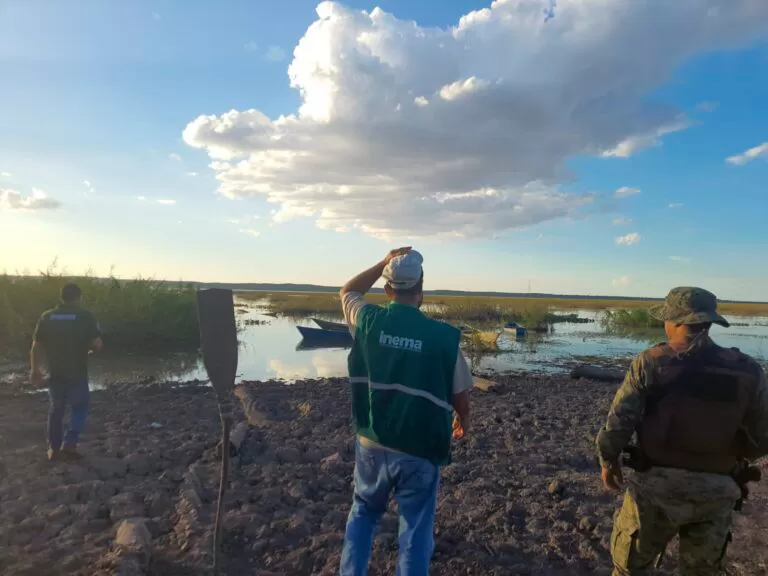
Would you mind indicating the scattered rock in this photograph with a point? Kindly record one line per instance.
(133, 544)
(556, 488)
(521, 498)
(157, 504)
(288, 454)
(126, 505)
(587, 523)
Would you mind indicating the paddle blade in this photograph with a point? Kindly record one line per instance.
(218, 337)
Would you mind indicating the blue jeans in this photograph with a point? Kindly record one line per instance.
(62, 392)
(414, 482)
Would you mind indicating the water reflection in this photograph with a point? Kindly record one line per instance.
(113, 367)
(275, 351)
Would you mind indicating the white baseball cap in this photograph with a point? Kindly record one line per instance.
(404, 271)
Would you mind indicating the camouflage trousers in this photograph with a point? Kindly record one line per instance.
(644, 525)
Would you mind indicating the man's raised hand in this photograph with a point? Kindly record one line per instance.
(396, 252)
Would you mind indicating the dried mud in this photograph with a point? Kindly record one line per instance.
(522, 496)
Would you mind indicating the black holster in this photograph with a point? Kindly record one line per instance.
(743, 474)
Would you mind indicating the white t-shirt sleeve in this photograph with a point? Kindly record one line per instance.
(462, 377)
(351, 304)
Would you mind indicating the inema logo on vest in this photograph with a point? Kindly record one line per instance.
(400, 342)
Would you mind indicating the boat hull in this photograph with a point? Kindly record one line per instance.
(518, 331)
(328, 325)
(329, 336)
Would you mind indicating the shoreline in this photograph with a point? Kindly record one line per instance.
(522, 496)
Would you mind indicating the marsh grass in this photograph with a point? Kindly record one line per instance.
(486, 309)
(637, 320)
(474, 309)
(137, 314)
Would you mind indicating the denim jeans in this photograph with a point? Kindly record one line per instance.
(62, 392)
(414, 482)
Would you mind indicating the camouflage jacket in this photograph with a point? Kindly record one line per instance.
(628, 406)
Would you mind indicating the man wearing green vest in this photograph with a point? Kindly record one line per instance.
(65, 335)
(407, 375)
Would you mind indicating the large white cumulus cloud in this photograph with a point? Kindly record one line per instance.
(405, 130)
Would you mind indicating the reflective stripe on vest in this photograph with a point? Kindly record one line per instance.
(404, 389)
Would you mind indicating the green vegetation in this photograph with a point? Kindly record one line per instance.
(299, 304)
(632, 319)
(489, 310)
(468, 309)
(635, 319)
(490, 307)
(134, 314)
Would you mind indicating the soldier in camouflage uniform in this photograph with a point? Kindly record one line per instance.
(697, 409)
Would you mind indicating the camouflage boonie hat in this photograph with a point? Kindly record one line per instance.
(689, 305)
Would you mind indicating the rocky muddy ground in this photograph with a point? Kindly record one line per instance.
(522, 497)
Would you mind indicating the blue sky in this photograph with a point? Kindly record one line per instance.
(105, 93)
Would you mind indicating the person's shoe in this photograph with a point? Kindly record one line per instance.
(70, 453)
(54, 455)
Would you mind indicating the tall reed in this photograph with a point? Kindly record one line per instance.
(141, 313)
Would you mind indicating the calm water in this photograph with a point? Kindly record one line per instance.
(269, 351)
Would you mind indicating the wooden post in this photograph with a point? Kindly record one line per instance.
(226, 423)
(218, 340)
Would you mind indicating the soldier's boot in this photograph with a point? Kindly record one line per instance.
(69, 452)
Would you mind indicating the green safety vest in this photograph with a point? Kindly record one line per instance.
(401, 369)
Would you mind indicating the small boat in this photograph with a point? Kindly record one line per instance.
(328, 325)
(320, 335)
(516, 329)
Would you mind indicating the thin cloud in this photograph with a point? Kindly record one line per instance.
(680, 259)
(622, 281)
(707, 106)
(89, 189)
(175, 157)
(621, 221)
(633, 144)
(625, 192)
(251, 46)
(275, 54)
(37, 200)
(749, 155)
(5, 174)
(628, 239)
(674, 205)
(244, 219)
(250, 232)
(156, 16)
(390, 109)
(162, 201)
(193, 174)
